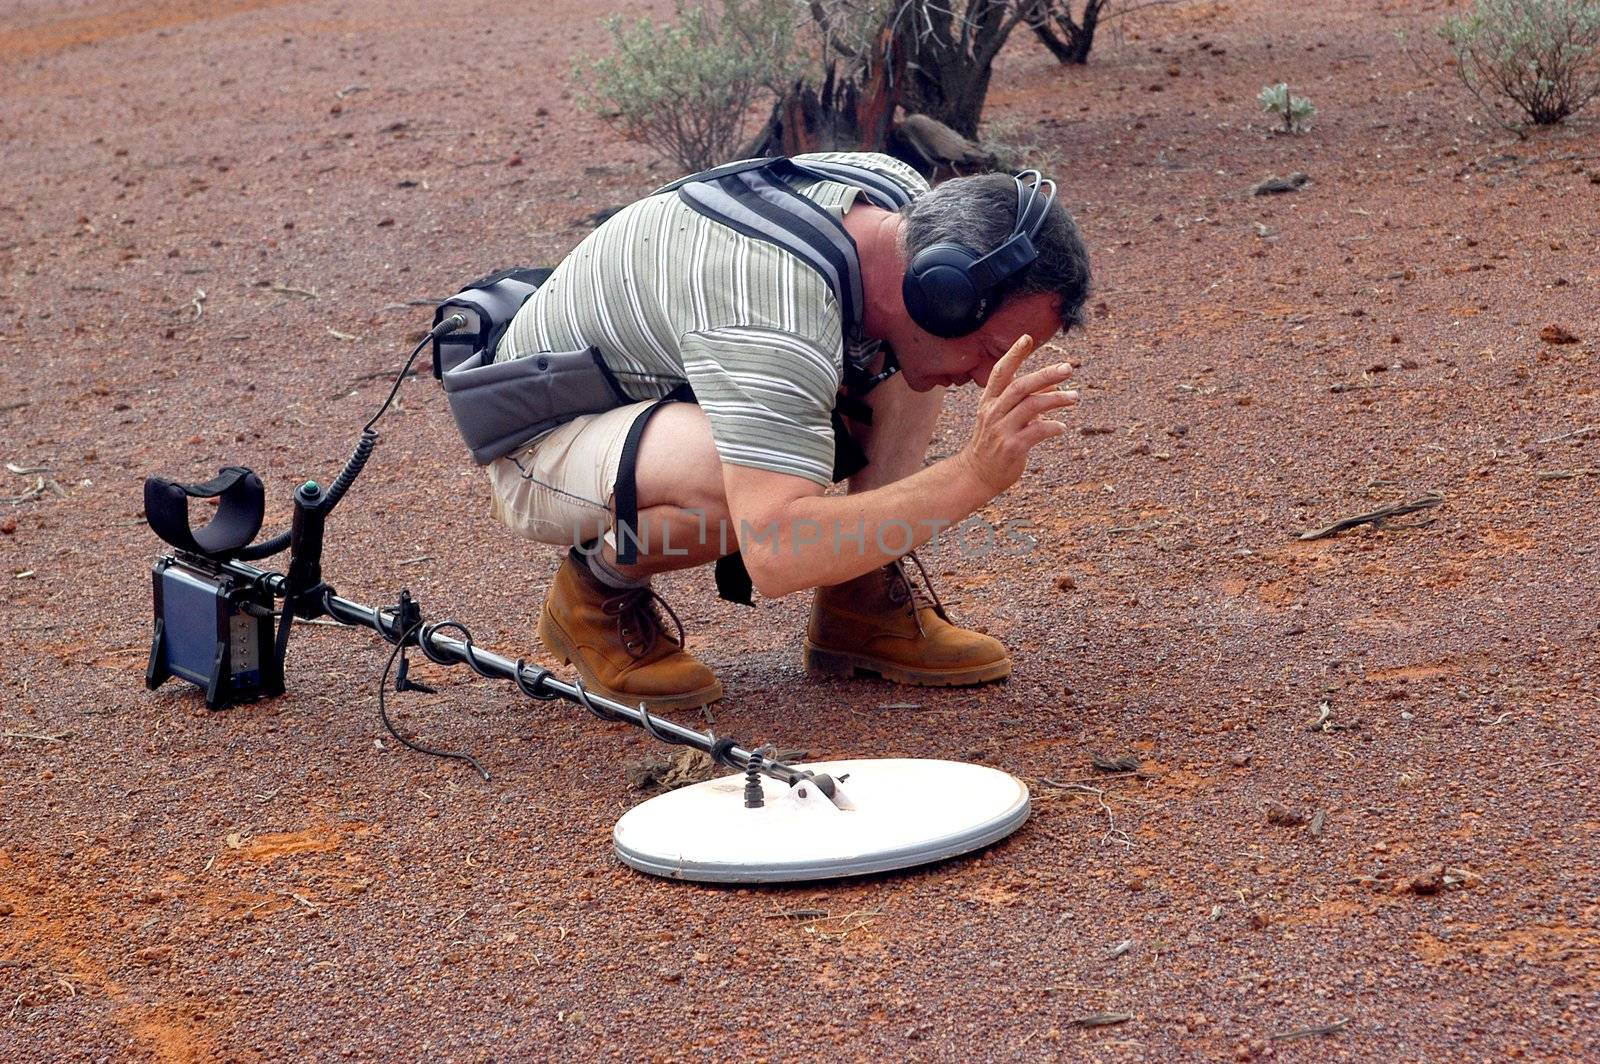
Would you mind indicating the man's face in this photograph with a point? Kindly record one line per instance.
(928, 361)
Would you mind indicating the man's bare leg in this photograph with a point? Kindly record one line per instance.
(602, 617)
(683, 512)
(878, 623)
(897, 440)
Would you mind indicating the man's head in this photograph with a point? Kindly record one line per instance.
(980, 213)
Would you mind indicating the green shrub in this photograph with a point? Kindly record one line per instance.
(1537, 57)
(1295, 111)
(686, 89)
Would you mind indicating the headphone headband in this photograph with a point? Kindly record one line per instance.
(950, 290)
(1016, 253)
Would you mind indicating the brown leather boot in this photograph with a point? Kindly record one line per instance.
(880, 623)
(619, 642)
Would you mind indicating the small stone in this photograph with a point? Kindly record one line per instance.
(8, 526)
(1429, 882)
(1064, 582)
(1238, 759)
(1283, 816)
(1555, 334)
(6, 908)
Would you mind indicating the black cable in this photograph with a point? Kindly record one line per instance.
(648, 723)
(599, 711)
(358, 458)
(450, 324)
(383, 708)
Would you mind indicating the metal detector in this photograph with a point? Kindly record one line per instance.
(218, 626)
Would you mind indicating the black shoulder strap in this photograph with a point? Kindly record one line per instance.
(756, 197)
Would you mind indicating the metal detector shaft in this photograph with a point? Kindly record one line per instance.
(489, 663)
(529, 678)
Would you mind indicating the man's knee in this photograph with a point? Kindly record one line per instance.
(678, 465)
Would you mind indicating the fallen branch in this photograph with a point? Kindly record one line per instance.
(58, 737)
(1377, 517)
(1568, 474)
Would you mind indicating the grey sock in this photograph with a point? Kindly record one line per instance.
(607, 574)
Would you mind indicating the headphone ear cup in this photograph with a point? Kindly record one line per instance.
(939, 291)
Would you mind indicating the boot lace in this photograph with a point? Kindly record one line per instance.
(917, 595)
(639, 620)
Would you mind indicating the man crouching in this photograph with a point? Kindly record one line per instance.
(750, 320)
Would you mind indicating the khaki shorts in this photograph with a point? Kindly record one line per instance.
(560, 489)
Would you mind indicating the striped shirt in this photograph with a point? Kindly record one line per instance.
(667, 295)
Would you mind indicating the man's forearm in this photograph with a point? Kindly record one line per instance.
(828, 539)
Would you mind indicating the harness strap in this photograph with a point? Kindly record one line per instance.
(756, 197)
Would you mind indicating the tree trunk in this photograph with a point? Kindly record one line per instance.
(1076, 38)
(843, 114)
(953, 62)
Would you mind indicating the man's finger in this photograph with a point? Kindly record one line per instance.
(1006, 369)
(1034, 406)
(1040, 380)
(1040, 431)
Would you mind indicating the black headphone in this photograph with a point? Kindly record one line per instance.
(950, 290)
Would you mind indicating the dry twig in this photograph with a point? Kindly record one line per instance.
(1311, 1032)
(1113, 833)
(58, 737)
(290, 290)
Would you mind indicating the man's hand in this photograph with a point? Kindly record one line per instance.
(1011, 418)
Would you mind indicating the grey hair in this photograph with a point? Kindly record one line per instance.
(980, 212)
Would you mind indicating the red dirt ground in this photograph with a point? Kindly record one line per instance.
(267, 883)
